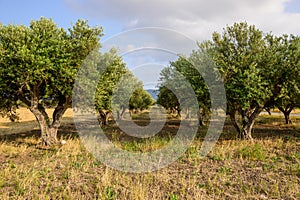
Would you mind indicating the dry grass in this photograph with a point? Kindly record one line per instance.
(268, 168)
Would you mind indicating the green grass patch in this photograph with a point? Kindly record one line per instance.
(253, 152)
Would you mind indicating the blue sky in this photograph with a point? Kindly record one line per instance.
(22, 12)
(196, 19)
(293, 6)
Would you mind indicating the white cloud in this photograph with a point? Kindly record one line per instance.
(196, 18)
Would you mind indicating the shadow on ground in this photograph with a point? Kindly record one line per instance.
(68, 131)
(262, 131)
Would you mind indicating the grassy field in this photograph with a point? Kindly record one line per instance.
(267, 168)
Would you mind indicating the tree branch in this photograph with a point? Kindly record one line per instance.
(63, 105)
(22, 97)
(234, 122)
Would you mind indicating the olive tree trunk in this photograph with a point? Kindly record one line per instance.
(188, 114)
(48, 129)
(120, 114)
(287, 118)
(48, 133)
(200, 118)
(244, 128)
(104, 116)
(286, 112)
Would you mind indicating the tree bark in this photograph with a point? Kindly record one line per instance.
(48, 135)
(104, 116)
(234, 122)
(122, 112)
(188, 114)
(287, 118)
(244, 129)
(246, 132)
(248, 119)
(286, 112)
(48, 130)
(200, 119)
(178, 113)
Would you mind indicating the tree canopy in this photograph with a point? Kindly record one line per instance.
(171, 77)
(256, 69)
(289, 96)
(40, 63)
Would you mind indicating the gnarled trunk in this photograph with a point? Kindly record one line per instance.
(48, 133)
(104, 116)
(248, 118)
(246, 131)
(49, 130)
(286, 112)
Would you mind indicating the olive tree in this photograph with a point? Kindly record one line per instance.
(289, 55)
(250, 69)
(140, 100)
(39, 64)
(166, 97)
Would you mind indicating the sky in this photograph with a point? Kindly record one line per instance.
(196, 19)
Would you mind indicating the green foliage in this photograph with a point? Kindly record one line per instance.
(177, 80)
(190, 68)
(257, 70)
(289, 55)
(41, 61)
(167, 99)
(197, 72)
(140, 99)
(240, 56)
(129, 94)
(38, 68)
(166, 96)
(115, 68)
